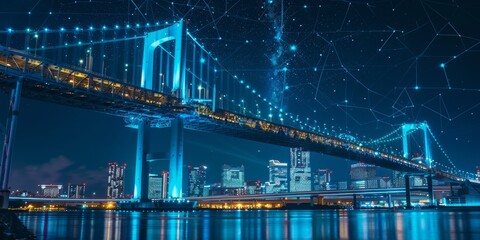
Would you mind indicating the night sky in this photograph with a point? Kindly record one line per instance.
(364, 67)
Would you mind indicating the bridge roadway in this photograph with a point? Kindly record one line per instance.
(48, 81)
(290, 195)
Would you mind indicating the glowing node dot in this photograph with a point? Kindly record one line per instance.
(442, 65)
(417, 87)
(293, 48)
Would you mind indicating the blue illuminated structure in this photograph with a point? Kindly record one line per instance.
(406, 129)
(153, 40)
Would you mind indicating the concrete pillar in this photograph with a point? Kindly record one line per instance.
(140, 192)
(390, 205)
(407, 191)
(430, 190)
(355, 205)
(8, 143)
(312, 201)
(176, 159)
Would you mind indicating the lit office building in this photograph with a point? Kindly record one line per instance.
(300, 172)
(362, 171)
(233, 177)
(115, 180)
(76, 191)
(398, 179)
(278, 176)
(197, 177)
(51, 190)
(321, 179)
(165, 177)
(155, 183)
(478, 173)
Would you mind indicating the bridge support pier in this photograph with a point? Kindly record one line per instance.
(407, 191)
(176, 159)
(140, 192)
(390, 205)
(8, 142)
(430, 190)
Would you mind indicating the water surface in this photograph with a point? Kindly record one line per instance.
(261, 224)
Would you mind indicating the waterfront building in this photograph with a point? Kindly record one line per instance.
(76, 191)
(165, 178)
(233, 177)
(197, 177)
(155, 182)
(478, 173)
(51, 190)
(278, 176)
(321, 179)
(398, 179)
(362, 171)
(115, 180)
(300, 171)
(253, 187)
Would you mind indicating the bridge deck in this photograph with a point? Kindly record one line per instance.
(47, 81)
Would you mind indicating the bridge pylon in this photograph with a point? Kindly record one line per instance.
(9, 140)
(153, 40)
(406, 129)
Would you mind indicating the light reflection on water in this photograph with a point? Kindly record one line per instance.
(341, 224)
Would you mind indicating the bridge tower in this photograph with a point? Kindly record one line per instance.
(177, 86)
(153, 40)
(406, 129)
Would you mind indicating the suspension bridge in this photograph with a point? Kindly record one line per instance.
(174, 81)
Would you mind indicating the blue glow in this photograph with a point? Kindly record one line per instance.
(293, 48)
(91, 28)
(138, 25)
(417, 87)
(28, 29)
(116, 27)
(304, 6)
(286, 87)
(202, 60)
(77, 28)
(315, 69)
(284, 69)
(442, 65)
(10, 30)
(46, 29)
(241, 82)
(128, 26)
(104, 27)
(62, 29)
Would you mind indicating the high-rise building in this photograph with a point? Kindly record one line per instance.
(233, 177)
(321, 179)
(165, 178)
(76, 190)
(300, 171)
(398, 179)
(51, 190)
(197, 177)
(478, 173)
(278, 176)
(115, 180)
(362, 171)
(155, 183)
